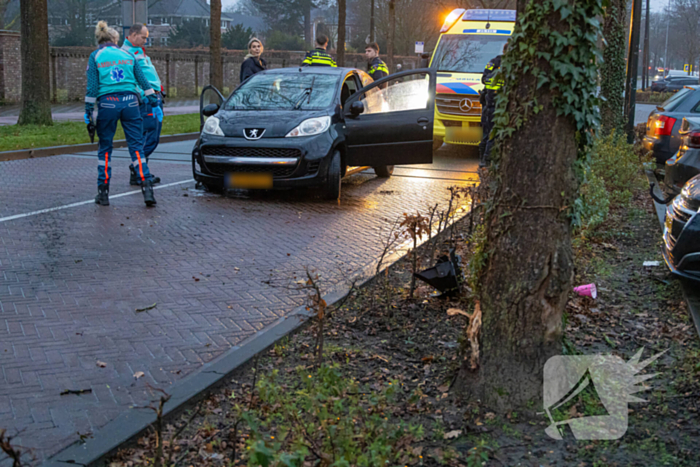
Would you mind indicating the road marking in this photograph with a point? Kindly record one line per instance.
(81, 203)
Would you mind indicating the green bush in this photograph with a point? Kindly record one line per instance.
(327, 417)
(281, 41)
(594, 204)
(648, 97)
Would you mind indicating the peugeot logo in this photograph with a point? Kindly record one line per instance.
(253, 133)
(466, 105)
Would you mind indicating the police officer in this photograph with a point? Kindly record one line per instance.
(319, 56)
(493, 83)
(152, 115)
(376, 67)
(113, 81)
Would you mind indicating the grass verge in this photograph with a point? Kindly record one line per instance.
(15, 137)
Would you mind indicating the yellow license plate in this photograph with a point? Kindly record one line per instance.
(261, 181)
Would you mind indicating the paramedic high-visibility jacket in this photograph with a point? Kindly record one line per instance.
(318, 57)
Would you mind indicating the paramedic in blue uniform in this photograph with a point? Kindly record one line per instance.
(152, 115)
(113, 81)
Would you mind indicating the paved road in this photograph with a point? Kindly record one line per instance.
(642, 113)
(71, 279)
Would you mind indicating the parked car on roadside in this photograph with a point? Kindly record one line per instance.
(682, 232)
(676, 85)
(685, 164)
(311, 126)
(664, 122)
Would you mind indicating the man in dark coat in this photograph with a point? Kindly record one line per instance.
(253, 63)
(376, 67)
(319, 56)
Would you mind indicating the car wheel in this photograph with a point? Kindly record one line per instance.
(384, 171)
(213, 188)
(331, 189)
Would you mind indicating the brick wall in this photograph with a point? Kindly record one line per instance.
(10, 72)
(183, 72)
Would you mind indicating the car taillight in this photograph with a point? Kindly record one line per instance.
(693, 139)
(664, 125)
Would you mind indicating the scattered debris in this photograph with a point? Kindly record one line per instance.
(588, 290)
(139, 374)
(651, 264)
(139, 310)
(77, 392)
(452, 434)
(101, 364)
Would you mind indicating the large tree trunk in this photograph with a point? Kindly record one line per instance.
(36, 86)
(342, 10)
(371, 21)
(308, 29)
(612, 72)
(216, 68)
(392, 36)
(528, 269)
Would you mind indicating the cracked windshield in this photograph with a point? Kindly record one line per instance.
(303, 91)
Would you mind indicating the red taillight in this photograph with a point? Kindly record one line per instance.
(664, 125)
(693, 139)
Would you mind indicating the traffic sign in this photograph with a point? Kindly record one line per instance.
(420, 46)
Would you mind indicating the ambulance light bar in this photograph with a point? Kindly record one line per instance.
(490, 15)
(452, 19)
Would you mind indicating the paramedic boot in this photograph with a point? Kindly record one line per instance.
(147, 190)
(102, 197)
(133, 179)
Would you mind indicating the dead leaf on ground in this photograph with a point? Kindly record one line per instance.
(139, 374)
(452, 434)
(457, 311)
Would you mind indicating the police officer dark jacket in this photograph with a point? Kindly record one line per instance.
(491, 79)
(252, 65)
(318, 57)
(378, 69)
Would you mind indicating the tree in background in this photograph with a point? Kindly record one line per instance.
(524, 258)
(190, 34)
(612, 72)
(342, 11)
(685, 24)
(216, 66)
(79, 31)
(290, 16)
(236, 37)
(36, 85)
(7, 23)
(277, 40)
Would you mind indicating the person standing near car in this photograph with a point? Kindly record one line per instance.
(493, 83)
(319, 56)
(253, 63)
(376, 67)
(114, 82)
(151, 114)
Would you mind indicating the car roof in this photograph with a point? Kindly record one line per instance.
(321, 70)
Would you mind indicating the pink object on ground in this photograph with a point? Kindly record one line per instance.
(587, 290)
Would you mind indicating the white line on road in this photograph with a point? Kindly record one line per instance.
(58, 208)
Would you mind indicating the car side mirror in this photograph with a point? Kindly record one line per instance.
(210, 109)
(357, 108)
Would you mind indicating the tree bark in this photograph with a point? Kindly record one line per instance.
(216, 69)
(308, 30)
(528, 270)
(371, 21)
(612, 72)
(342, 11)
(36, 86)
(392, 36)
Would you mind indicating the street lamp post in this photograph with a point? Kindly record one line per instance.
(647, 56)
(668, 22)
(632, 69)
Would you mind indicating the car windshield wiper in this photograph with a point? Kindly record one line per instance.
(307, 93)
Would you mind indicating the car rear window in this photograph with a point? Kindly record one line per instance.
(676, 99)
(284, 91)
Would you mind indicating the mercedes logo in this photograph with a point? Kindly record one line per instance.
(466, 105)
(253, 133)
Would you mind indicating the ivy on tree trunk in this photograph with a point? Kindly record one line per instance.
(542, 122)
(36, 87)
(612, 71)
(216, 68)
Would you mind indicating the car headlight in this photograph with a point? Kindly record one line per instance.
(211, 127)
(310, 127)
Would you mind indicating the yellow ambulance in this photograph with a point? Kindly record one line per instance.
(469, 39)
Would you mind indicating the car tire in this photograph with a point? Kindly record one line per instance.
(384, 171)
(213, 188)
(331, 189)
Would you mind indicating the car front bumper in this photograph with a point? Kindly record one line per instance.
(660, 146)
(293, 162)
(682, 241)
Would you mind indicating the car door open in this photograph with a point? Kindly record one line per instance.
(390, 121)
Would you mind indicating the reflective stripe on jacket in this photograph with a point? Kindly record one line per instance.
(318, 57)
(492, 78)
(378, 69)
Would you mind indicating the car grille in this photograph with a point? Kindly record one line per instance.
(451, 104)
(250, 152)
(277, 172)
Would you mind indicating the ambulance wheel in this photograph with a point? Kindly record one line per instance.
(384, 171)
(331, 189)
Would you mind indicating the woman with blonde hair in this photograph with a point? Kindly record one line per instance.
(253, 62)
(113, 81)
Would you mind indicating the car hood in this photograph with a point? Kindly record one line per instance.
(276, 123)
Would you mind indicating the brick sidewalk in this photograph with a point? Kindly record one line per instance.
(72, 279)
